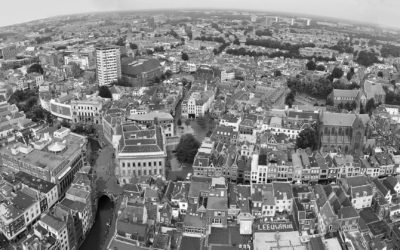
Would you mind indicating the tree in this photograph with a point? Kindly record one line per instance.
(320, 67)
(168, 74)
(277, 73)
(120, 42)
(366, 58)
(336, 73)
(350, 74)
(353, 105)
(35, 68)
(311, 65)
(380, 74)
(362, 110)
(65, 123)
(370, 106)
(133, 46)
(236, 42)
(105, 92)
(185, 56)
(76, 71)
(307, 138)
(289, 100)
(347, 106)
(187, 148)
(179, 122)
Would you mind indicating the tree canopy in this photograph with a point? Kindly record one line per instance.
(277, 73)
(76, 71)
(105, 92)
(311, 65)
(336, 73)
(320, 67)
(265, 32)
(289, 100)
(366, 58)
(35, 68)
(307, 138)
(120, 42)
(133, 46)
(350, 74)
(370, 106)
(185, 56)
(187, 148)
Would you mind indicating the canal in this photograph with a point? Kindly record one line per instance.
(98, 233)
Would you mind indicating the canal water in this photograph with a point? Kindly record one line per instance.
(98, 233)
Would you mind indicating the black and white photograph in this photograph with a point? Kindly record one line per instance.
(200, 125)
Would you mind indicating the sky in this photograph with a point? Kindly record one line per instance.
(382, 12)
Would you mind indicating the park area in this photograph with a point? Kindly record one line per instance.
(199, 128)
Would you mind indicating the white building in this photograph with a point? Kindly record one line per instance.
(227, 75)
(259, 170)
(140, 153)
(108, 64)
(197, 104)
(360, 190)
(231, 121)
(86, 111)
(81, 61)
(56, 228)
(188, 67)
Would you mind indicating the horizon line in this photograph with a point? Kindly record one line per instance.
(365, 23)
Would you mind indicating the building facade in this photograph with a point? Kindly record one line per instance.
(108, 61)
(86, 111)
(343, 132)
(140, 153)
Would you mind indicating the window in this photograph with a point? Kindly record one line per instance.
(216, 221)
(138, 164)
(160, 163)
(129, 165)
(123, 164)
(150, 164)
(144, 172)
(144, 164)
(133, 164)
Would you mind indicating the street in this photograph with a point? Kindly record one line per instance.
(105, 171)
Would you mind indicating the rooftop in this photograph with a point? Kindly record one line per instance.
(35, 183)
(48, 160)
(161, 116)
(136, 140)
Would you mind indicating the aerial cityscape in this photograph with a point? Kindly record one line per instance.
(199, 129)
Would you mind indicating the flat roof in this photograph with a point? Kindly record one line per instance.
(33, 182)
(162, 116)
(48, 160)
(23, 201)
(274, 241)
